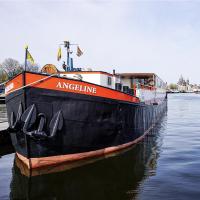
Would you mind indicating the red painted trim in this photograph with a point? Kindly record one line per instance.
(77, 86)
(52, 83)
(14, 84)
(69, 85)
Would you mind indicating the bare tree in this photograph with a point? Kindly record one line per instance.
(12, 67)
(32, 67)
(3, 75)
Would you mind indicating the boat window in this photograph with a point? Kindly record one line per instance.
(109, 80)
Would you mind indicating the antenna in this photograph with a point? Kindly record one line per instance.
(69, 66)
(67, 45)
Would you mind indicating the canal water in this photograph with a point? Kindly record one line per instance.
(166, 165)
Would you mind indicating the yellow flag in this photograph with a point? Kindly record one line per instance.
(59, 55)
(29, 57)
(79, 52)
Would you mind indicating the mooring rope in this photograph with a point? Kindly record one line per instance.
(31, 83)
(35, 82)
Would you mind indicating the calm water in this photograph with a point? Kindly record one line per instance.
(165, 166)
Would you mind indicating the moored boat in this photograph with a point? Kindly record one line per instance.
(76, 114)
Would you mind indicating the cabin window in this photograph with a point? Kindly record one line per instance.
(109, 80)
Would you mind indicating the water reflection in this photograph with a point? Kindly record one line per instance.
(115, 177)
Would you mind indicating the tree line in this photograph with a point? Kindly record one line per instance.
(11, 67)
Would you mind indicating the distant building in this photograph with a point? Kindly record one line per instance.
(185, 86)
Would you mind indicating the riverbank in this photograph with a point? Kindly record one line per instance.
(5, 141)
(2, 98)
(3, 125)
(4, 135)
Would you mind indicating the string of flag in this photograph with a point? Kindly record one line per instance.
(29, 56)
(79, 53)
(59, 55)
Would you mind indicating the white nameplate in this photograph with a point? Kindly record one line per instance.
(9, 87)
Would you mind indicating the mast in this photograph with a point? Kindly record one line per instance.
(70, 65)
(67, 45)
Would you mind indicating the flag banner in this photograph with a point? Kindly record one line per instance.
(79, 52)
(59, 55)
(29, 57)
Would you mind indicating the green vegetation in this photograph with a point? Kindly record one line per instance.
(11, 67)
(173, 86)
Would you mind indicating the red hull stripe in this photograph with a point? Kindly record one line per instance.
(55, 160)
(68, 85)
(14, 84)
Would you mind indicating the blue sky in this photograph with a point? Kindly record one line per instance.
(128, 36)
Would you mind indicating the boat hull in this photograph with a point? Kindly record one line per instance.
(92, 125)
